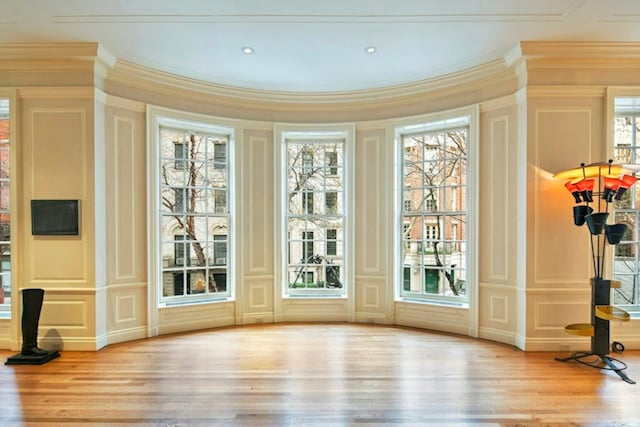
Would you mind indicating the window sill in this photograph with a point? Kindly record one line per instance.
(195, 302)
(438, 303)
(316, 296)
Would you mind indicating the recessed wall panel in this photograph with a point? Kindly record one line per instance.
(65, 315)
(125, 308)
(50, 263)
(57, 164)
(371, 185)
(125, 200)
(498, 197)
(569, 132)
(258, 204)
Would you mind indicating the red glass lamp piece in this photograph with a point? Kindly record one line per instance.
(611, 185)
(585, 186)
(574, 190)
(625, 183)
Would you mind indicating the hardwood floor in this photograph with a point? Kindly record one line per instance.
(316, 375)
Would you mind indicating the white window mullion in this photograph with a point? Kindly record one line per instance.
(314, 177)
(434, 263)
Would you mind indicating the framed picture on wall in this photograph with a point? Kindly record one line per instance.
(55, 217)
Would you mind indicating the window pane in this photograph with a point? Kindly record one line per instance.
(194, 221)
(433, 234)
(315, 215)
(5, 205)
(627, 209)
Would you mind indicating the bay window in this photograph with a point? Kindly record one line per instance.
(315, 224)
(433, 210)
(192, 226)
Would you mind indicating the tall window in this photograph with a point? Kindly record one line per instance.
(626, 150)
(193, 216)
(433, 210)
(5, 208)
(315, 231)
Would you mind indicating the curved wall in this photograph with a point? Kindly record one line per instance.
(82, 133)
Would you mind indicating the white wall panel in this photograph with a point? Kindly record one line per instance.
(126, 294)
(569, 131)
(371, 181)
(125, 200)
(258, 203)
(498, 192)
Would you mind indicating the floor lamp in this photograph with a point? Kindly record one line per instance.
(594, 188)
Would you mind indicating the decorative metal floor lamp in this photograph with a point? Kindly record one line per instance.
(594, 187)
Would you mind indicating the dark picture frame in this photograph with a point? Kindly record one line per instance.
(55, 217)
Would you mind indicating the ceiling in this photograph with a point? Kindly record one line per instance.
(315, 45)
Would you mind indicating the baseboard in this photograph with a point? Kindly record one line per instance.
(131, 334)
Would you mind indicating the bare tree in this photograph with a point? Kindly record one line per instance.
(440, 166)
(191, 197)
(313, 168)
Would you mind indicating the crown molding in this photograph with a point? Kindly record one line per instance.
(37, 60)
(56, 92)
(559, 91)
(142, 77)
(572, 49)
(35, 51)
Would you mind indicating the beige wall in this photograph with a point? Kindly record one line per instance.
(56, 148)
(84, 135)
(126, 219)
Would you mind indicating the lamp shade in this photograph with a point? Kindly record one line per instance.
(574, 190)
(579, 214)
(596, 222)
(585, 186)
(612, 182)
(625, 183)
(628, 181)
(615, 232)
(611, 185)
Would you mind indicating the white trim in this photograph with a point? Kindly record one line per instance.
(15, 308)
(610, 113)
(345, 132)
(431, 122)
(156, 117)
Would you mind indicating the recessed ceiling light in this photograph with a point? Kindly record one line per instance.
(247, 49)
(370, 49)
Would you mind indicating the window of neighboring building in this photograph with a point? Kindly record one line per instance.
(220, 155)
(307, 246)
(193, 218)
(315, 219)
(331, 202)
(626, 257)
(5, 208)
(332, 163)
(332, 241)
(434, 213)
(182, 251)
(220, 200)
(180, 154)
(307, 201)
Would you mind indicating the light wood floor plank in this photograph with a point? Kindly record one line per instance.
(316, 375)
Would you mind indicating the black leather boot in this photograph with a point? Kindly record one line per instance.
(31, 307)
(31, 354)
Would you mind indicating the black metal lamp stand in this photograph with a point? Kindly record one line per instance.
(581, 185)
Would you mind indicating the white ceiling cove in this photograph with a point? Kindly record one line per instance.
(313, 45)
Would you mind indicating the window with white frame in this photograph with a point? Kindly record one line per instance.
(433, 232)
(314, 213)
(5, 208)
(626, 257)
(193, 219)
